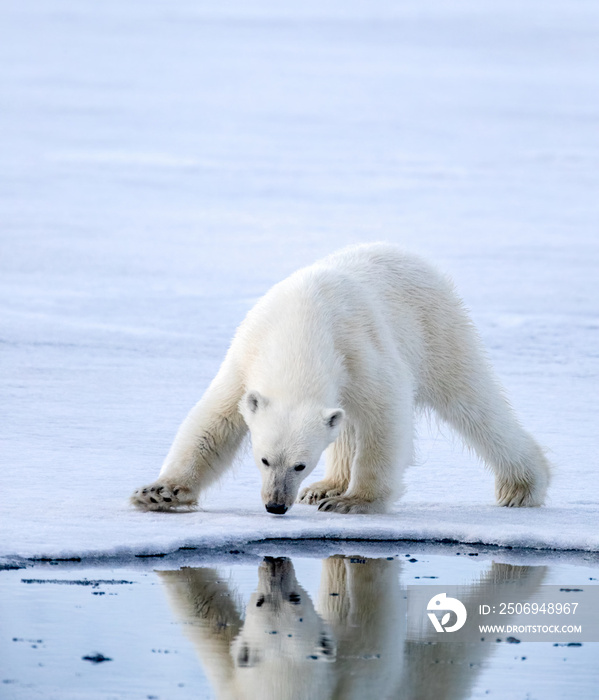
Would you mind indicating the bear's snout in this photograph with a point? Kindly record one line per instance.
(276, 508)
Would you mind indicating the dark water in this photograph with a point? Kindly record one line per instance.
(283, 621)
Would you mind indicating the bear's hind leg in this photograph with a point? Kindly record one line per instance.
(473, 403)
(339, 457)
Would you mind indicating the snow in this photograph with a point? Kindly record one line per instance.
(164, 163)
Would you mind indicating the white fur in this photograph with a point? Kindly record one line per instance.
(339, 356)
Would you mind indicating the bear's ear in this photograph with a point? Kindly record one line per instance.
(254, 400)
(333, 417)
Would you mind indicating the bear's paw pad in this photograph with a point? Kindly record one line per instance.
(159, 496)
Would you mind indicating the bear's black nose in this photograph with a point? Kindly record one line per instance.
(276, 508)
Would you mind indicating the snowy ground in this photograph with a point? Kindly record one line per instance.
(164, 163)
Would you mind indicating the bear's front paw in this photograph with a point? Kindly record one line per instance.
(351, 504)
(159, 496)
(314, 493)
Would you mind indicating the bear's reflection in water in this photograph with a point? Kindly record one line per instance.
(354, 644)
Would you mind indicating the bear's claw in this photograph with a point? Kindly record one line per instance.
(351, 504)
(515, 495)
(162, 497)
(316, 492)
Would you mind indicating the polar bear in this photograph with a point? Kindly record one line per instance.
(337, 357)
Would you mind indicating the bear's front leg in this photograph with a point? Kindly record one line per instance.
(383, 449)
(339, 457)
(203, 448)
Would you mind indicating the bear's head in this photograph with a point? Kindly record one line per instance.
(285, 649)
(287, 441)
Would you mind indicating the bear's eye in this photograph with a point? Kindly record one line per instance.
(299, 467)
(295, 598)
(265, 462)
